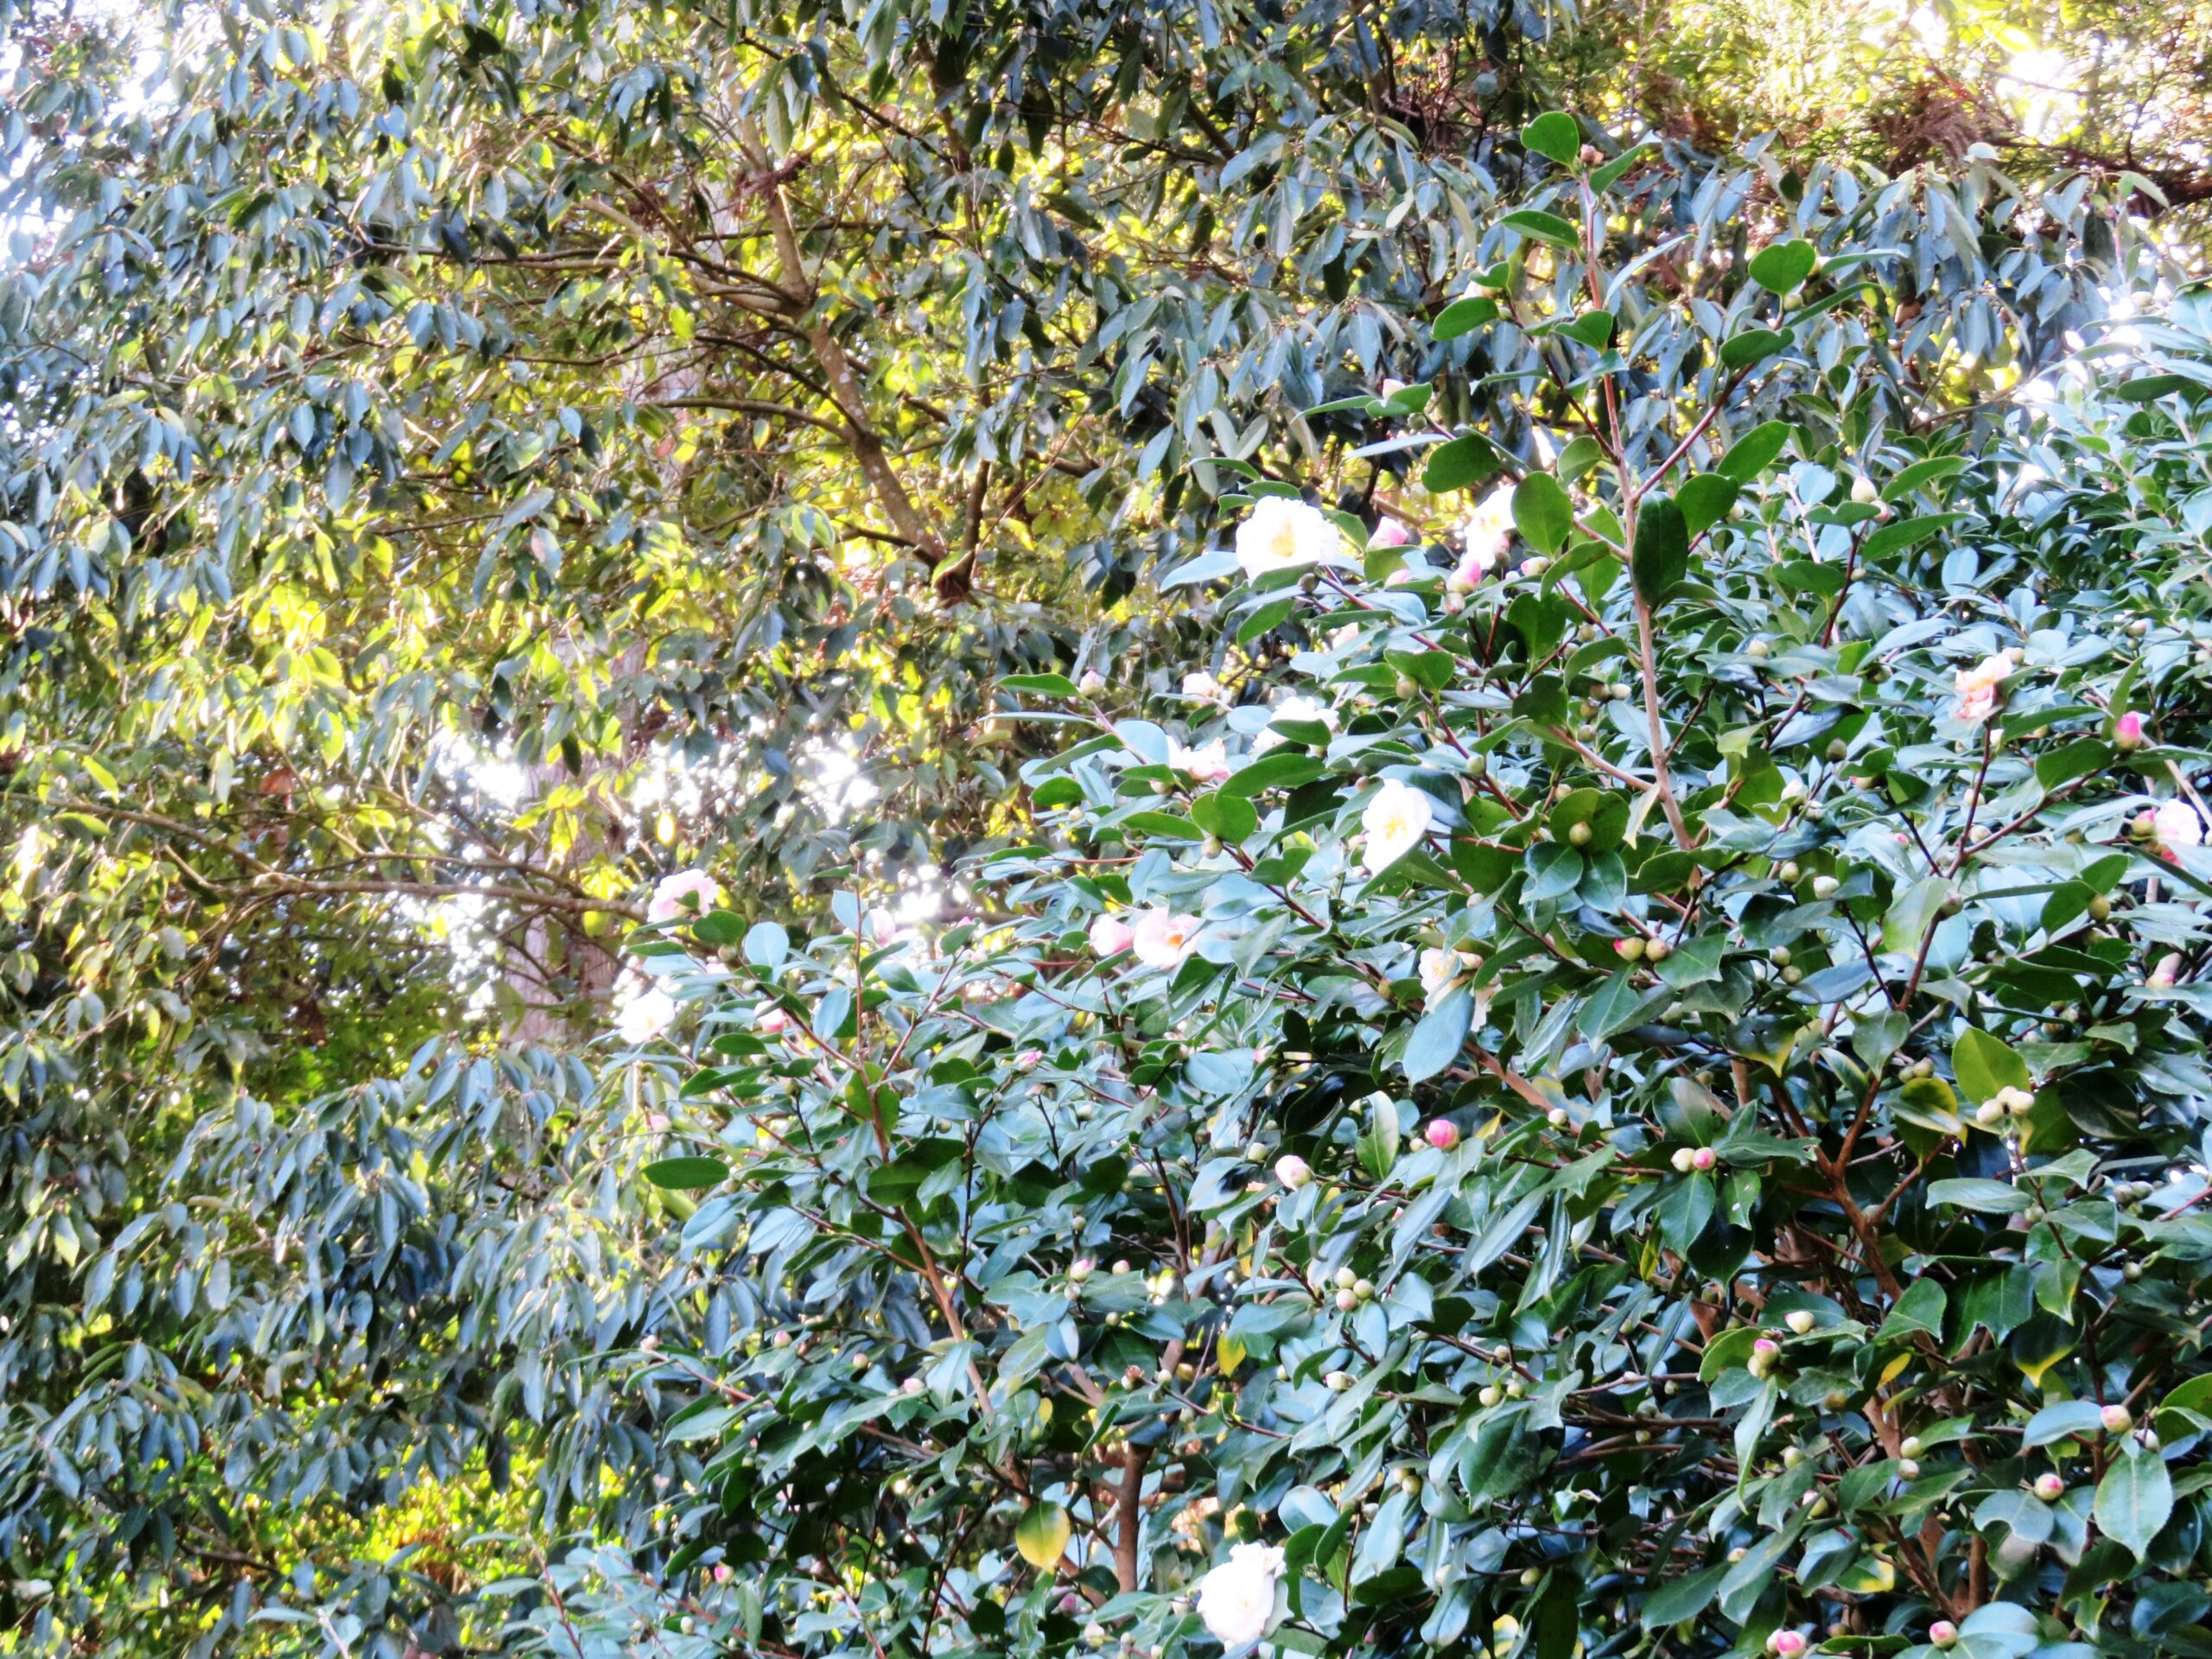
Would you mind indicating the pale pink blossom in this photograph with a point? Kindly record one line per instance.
(1390, 533)
(2174, 824)
(1294, 707)
(687, 893)
(1162, 939)
(1110, 936)
(769, 1020)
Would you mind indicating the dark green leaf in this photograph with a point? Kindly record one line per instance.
(687, 1174)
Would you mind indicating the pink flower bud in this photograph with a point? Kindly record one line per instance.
(1390, 533)
(1788, 1644)
(1442, 1133)
(2118, 1420)
(2127, 731)
(770, 1021)
(1942, 1633)
(1704, 1158)
(2049, 1488)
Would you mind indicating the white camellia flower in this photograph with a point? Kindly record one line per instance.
(1394, 821)
(645, 1016)
(1162, 939)
(2175, 823)
(688, 893)
(1237, 1600)
(1294, 707)
(1440, 969)
(1203, 686)
(1209, 764)
(1282, 534)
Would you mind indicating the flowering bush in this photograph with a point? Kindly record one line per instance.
(1626, 1076)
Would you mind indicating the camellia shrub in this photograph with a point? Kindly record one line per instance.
(1618, 1071)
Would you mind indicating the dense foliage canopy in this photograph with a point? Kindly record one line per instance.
(464, 464)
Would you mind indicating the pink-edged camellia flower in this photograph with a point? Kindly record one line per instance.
(2174, 824)
(1110, 936)
(687, 893)
(1978, 686)
(1162, 939)
(1209, 764)
(769, 1020)
(1486, 536)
